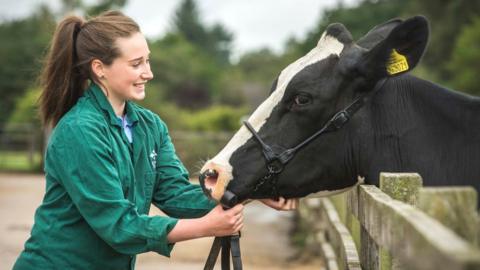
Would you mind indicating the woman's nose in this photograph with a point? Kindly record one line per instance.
(147, 74)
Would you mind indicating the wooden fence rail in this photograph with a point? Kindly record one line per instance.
(390, 232)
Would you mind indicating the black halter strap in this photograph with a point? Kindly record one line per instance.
(277, 161)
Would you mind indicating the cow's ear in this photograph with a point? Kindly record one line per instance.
(377, 34)
(340, 32)
(399, 52)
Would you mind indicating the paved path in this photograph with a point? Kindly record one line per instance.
(264, 242)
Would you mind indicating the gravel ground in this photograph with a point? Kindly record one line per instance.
(264, 243)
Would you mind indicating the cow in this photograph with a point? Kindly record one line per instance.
(350, 110)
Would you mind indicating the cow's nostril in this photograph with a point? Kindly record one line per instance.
(208, 180)
(211, 173)
(211, 178)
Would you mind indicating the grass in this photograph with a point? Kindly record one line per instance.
(20, 161)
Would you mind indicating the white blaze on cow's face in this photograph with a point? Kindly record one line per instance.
(327, 45)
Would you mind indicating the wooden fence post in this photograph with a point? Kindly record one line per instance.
(404, 187)
(369, 249)
(454, 207)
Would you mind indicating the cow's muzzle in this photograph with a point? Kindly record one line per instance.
(209, 177)
(214, 180)
(208, 180)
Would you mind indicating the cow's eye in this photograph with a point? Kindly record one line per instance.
(301, 100)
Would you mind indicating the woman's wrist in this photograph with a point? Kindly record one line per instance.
(187, 229)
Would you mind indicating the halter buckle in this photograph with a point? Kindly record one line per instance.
(340, 119)
(275, 166)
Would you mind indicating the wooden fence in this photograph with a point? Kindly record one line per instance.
(21, 146)
(397, 226)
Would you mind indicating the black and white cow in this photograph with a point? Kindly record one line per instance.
(408, 124)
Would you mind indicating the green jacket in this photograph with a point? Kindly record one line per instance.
(99, 189)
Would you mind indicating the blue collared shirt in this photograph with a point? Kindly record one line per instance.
(127, 127)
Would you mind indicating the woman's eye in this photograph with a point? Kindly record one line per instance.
(302, 100)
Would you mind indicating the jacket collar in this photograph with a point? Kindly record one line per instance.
(101, 100)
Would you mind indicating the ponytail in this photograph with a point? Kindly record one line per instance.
(62, 85)
(75, 44)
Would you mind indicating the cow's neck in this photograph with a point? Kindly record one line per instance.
(416, 126)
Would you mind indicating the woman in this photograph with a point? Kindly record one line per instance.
(108, 159)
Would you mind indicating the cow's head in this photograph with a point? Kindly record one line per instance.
(304, 97)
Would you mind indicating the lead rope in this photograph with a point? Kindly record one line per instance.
(229, 245)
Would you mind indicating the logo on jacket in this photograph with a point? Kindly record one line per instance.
(153, 159)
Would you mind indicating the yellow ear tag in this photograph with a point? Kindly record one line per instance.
(397, 63)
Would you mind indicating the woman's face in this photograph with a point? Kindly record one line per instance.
(126, 77)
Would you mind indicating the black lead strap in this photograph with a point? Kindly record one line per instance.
(214, 250)
(228, 245)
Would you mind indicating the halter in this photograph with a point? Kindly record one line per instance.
(276, 161)
(275, 164)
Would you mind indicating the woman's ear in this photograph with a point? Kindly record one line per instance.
(98, 69)
(399, 52)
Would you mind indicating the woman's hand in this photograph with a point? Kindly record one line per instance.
(221, 222)
(217, 222)
(282, 203)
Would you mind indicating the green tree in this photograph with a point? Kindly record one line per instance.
(447, 19)
(258, 69)
(465, 62)
(91, 9)
(358, 19)
(215, 40)
(104, 5)
(26, 110)
(23, 46)
(185, 74)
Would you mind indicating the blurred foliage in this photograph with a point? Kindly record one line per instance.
(466, 59)
(358, 19)
(186, 74)
(447, 19)
(23, 43)
(216, 118)
(91, 9)
(208, 130)
(14, 161)
(194, 148)
(214, 41)
(256, 70)
(213, 118)
(26, 109)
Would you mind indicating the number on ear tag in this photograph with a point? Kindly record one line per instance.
(396, 63)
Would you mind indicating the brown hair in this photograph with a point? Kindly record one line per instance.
(75, 44)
